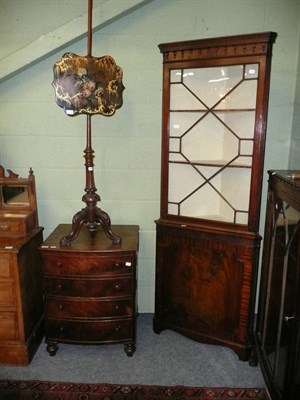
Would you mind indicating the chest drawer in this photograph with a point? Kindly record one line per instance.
(86, 308)
(89, 331)
(7, 295)
(89, 265)
(16, 223)
(5, 266)
(110, 287)
(11, 227)
(8, 326)
(90, 288)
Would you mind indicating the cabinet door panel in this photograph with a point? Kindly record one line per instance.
(7, 298)
(204, 287)
(5, 266)
(9, 326)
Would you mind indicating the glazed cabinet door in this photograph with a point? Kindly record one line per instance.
(213, 129)
(279, 318)
(211, 141)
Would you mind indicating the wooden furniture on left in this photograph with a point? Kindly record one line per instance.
(21, 296)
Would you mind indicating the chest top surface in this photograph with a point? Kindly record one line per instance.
(15, 243)
(99, 243)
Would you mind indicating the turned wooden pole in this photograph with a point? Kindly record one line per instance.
(89, 33)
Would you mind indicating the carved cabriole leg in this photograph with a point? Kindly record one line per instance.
(84, 217)
(78, 220)
(104, 220)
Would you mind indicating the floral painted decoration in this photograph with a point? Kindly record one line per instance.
(88, 85)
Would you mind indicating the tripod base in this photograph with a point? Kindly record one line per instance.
(83, 217)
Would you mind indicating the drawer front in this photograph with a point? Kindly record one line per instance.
(17, 225)
(8, 326)
(89, 331)
(7, 297)
(5, 266)
(122, 286)
(78, 308)
(11, 227)
(76, 264)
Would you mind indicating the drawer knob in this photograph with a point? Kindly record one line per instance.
(61, 328)
(60, 306)
(286, 318)
(117, 286)
(117, 307)
(126, 264)
(59, 286)
(59, 264)
(118, 328)
(4, 227)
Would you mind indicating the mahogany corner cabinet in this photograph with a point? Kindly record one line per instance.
(215, 100)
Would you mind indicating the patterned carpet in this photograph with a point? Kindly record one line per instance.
(39, 390)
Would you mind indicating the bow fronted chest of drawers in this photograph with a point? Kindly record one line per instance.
(90, 288)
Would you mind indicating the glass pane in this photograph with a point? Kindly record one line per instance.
(174, 145)
(211, 133)
(180, 122)
(173, 209)
(246, 147)
(241, 218)
(251, 71)
(15, 195)
(206, 203)
(210, 140)
(242, 161)
(176, 157)
(183, 179)
(176, 75)
(240, 123)
(211, 194)
(211, 84)
(182, 99)
(241, 97)
(236, 188)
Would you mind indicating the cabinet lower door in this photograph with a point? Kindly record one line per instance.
(204, 289)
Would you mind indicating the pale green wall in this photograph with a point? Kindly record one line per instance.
(36, 132)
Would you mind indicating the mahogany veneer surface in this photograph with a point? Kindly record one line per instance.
(21, 297)
(90, 288)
